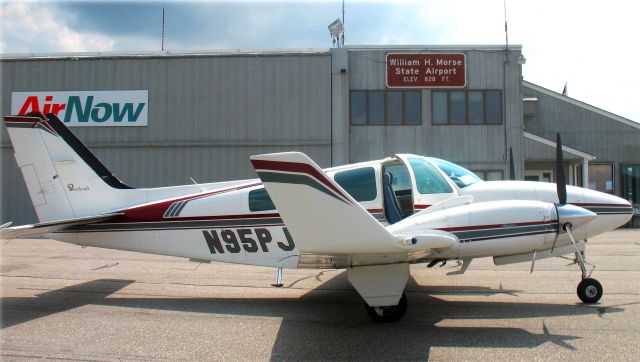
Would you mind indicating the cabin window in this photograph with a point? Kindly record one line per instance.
(259, 200)
(466, 107)
(428, 179)
(385, 108)
(359, 183)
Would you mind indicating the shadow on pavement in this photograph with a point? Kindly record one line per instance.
(330, 322)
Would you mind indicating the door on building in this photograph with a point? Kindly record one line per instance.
(538, 175)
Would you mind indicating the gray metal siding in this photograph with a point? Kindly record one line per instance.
(207, 115)
(604, 137)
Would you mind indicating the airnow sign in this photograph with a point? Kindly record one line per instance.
(82, 108)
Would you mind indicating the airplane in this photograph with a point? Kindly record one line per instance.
(372, 218)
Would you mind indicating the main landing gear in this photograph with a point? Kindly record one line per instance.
(388, 314)
(589, 290)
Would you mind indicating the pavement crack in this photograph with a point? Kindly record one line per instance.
(107, 266)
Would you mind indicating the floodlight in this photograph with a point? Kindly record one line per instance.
(336, 28)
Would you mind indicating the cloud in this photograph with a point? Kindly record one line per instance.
(31, 27)
(588, 44)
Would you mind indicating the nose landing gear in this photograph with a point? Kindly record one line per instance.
(589, 290)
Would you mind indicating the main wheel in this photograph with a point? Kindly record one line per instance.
(388, 314)
(589, 290)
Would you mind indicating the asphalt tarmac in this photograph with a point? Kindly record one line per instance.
(60, 301)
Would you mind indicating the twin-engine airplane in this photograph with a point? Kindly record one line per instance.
(372, 218)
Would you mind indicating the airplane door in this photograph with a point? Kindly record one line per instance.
(401, 187)
(429, 185)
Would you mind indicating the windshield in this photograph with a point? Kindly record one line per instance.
(458, 174)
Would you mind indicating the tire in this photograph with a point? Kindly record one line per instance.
(388, 314)
(589, 291)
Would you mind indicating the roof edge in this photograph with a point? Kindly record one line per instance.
(436, 47)
(166, 53)
(581, 104)
(565, 148)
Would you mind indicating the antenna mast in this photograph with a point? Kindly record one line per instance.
(343, 22)
(506, 30)
(162, 29)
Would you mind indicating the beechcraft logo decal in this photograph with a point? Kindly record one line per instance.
(72, 187)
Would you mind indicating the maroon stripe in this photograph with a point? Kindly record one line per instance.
(155, 211)
(496, 226)
(125, 219)
(593, 204)
(298, 168)
(507, 236)
(421, 207)
(23, 119)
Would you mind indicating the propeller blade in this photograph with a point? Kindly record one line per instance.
(512, 167)
(561, 182)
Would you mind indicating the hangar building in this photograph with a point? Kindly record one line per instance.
(159, 119)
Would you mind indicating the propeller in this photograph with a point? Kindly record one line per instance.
(512, 167)
(561, 182)
(569, 216)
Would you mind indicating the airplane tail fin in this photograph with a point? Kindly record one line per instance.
(64, 179)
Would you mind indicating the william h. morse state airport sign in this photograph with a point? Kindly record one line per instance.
(439, 70)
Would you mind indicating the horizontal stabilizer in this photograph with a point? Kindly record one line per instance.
(30, 230)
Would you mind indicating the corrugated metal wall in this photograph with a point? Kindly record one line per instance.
(609, 140)
(476, 146)
(207, 115)
(602, 136)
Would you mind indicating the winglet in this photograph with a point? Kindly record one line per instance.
(320, 215)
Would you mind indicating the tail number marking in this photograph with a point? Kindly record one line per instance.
(236, 240)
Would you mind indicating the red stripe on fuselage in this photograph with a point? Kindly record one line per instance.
(155, 211)
(421, 207)
(497, 226)
(602, 205)
(298, 168)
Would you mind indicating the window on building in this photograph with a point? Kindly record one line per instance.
(359, 183)
(492, 175)
(259, 200)
(601, 177)
(631, 183)
(466, 107)
(378, 108)
(358, 108)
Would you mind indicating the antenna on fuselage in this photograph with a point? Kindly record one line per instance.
(197, 184)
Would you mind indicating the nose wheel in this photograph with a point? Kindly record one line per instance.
(589, 290)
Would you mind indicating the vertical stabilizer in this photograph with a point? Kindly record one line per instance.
(63, 178)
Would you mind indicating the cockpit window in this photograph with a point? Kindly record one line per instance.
(259, 200)
(458, 174)
(360, 183)
(428, 179)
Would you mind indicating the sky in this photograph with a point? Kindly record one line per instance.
(589, 45)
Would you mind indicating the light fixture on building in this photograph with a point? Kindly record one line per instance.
(336, 29)
(522, 60)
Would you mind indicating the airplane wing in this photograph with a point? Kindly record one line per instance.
(323, 218)
(30, 230)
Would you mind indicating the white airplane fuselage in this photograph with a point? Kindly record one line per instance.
(219, 225)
